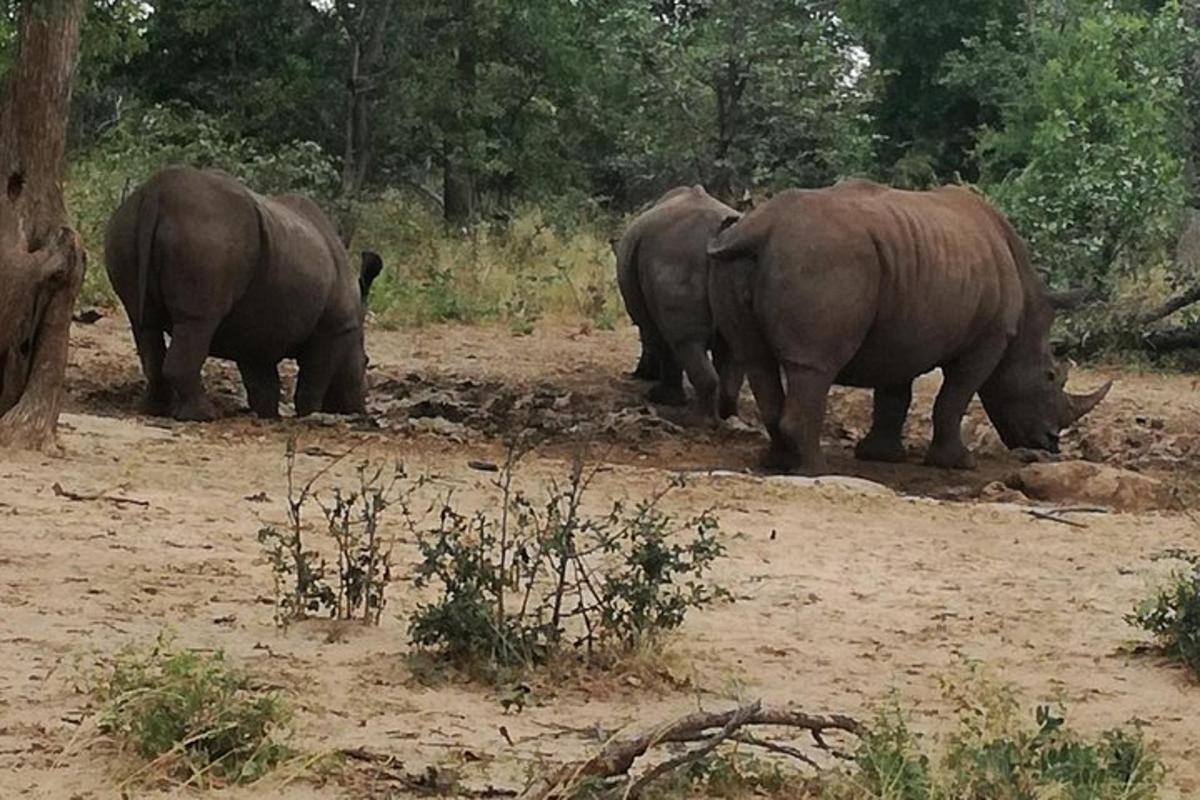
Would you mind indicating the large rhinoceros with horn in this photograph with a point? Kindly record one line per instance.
(662, 272)
(862, 285)
(233, 274)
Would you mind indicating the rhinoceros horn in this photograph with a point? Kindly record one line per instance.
(1081, 404)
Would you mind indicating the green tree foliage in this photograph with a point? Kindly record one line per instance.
(926, 127)
(273, 68)
(1087, 155)
(1069, 113)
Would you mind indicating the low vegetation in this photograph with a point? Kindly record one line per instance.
(191, 716)
(997, 750)
(526, 581)
(1172, 613)
(355, 587)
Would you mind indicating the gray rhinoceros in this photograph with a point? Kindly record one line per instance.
(236, 275)
(662, 272)
(862, 285)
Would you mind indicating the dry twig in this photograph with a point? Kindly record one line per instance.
(59, 491)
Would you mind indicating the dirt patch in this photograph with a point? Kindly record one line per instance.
(856, 588)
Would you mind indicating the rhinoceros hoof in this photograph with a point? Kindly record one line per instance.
(780, 460)
(667, 395)
(950, 458)
(199, 409)
(878, 449)
(155, 406)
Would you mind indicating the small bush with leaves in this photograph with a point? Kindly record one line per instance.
(195, 717)
(1172, 614)
(518, 587)
(994, 754)
(304, 583)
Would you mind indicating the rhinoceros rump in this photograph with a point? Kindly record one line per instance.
(662, 272)
(862, 285)
(232, 274)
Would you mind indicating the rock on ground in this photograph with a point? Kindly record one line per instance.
(1087, 483)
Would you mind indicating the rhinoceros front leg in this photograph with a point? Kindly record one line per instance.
(318, 363)
(960, 381)
(190, 343)
(262, 388)
(885, 441)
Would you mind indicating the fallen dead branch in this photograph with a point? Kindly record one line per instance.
(1056, 514)
(59, 491)
(614, 761)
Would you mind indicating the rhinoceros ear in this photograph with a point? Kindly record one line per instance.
(372, 265)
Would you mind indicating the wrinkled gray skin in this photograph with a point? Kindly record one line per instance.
(232, 274)
(862, 285)
(662, 272)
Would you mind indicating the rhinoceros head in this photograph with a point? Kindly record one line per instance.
(1025, 397)
(347, 392)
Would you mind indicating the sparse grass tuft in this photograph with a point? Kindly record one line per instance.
(194, 717)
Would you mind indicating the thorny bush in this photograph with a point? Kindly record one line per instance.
(304, 583)
(531, 580)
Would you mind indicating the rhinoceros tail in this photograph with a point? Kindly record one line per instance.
(732, 240)
(147, 226)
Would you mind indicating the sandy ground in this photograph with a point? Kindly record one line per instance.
(843, 591)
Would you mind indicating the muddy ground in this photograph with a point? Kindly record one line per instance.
(843, 590)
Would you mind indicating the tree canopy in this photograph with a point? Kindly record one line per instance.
(1073, 115)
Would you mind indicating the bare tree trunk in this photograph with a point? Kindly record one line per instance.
(365, 24)
(1190, 10)
(458, 182)
(41, 261)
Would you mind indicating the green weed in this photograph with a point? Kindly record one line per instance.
(193, 716)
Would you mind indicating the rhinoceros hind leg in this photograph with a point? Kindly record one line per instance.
(190, 342)
(152, 350)
(647, 366)
(262, 388)
(731, 375)
(804, 415)
(885, 441)
(702, 374)
(669, 389)
(666, 394)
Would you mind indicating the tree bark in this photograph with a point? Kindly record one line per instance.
(366, 25)
(1190, 10)
(41, 260)
(459, 200)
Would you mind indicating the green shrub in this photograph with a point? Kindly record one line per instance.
(1088, 156)
(1172, 614)
(527, 581)
(194, 716)
(994, 753)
